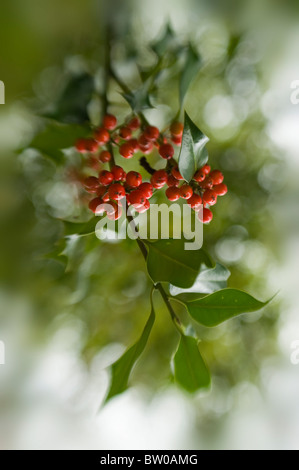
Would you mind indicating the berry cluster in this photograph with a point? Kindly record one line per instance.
(113, 185)
(204, 188)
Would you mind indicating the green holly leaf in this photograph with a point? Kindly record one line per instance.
(71, 107)
(166, 42)
(81, 229)
(207, 282)
(55, 137)
(168, 261)
(193, 154)
(223, 305)
(140, 99)
(191, 67)
(190, 370)
(122, 368)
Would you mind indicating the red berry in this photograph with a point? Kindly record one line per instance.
(159, 179)
(102, 136)
(166, 151)
(116, 192)
(116, 215)
(137, 198)
(134, 124)
(91, 145)
(134, 143)
(133, 179)
(206, 216)
(199, 176)
(91, 184)
(97, 206)
(101, 191)
(126, 150)
(106, 197)
(217, 177)
(177, 129)
(210, 197)
(81, 145)
(195, 201)
(119, 173)
(220, 189)
(173, 193)
(186, 191)
(206, 169)
(125, 133)
(145, 145)
(147, 189)
(207, 183)
(152, 133)
(105, 156)
(176, 140)
(172, 181)
(144, 207)
(105, 177)
(94, 163)
(111, 208)
(175, 172)
(109, 122)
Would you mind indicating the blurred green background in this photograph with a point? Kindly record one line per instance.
(62, 328)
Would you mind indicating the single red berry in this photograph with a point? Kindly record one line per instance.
(133, 179)
(206, 216)
(97, 206)
(116, 192)
(137, 198)
(106, 197)
(176, 140)
(172, 181)
(210, 197)
(102, 136)
(145, 145)
(109, 122)
(166, 151)
(105, 156)
(125, 133)
(135, 144)
(220, 189)
(173, 193)
(147, 189)
(115, 215)
(126, 150)
(217, 177)
(134, 124)
(81, 145)
(206, 169)
(195, 201)
(105, 177)
(175, 172)
(91, 145)
(119, 173)
(207, 183)
(111, 207)
(152, 133)
(94, 163)
(144, 207)
(186, 191)
(177, 129)
(199, 176)
(101, 191)
(91, 184)
(114, 211)
(159, 179)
